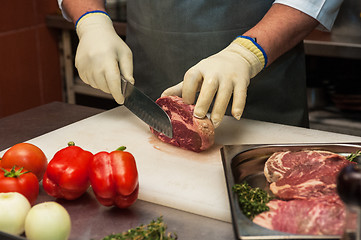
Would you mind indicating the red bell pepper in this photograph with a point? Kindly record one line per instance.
(114, 178)
(67, 173)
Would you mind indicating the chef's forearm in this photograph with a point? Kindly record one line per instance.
(76, 8)
(281, 29)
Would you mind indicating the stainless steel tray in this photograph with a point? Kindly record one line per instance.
(246, 163)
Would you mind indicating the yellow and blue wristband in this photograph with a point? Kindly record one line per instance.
(254, 47)
(88, 14)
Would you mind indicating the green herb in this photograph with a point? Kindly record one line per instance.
(352, 156)
(252, 201)
(155, 230)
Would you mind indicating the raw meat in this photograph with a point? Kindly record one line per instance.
(304, 183)
(323, 216)
(303, 174)
(188, 132)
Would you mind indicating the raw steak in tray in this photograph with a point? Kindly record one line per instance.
(247, 163)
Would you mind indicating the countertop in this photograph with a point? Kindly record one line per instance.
(95, 224)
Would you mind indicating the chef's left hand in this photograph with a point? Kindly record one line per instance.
(219, 76)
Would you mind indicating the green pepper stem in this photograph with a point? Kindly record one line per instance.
(122, 148)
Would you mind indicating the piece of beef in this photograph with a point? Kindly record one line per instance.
(303, 174)
(188, 132)
(305, 184)
(323, 216)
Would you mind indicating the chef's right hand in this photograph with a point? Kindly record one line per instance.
(102, 55)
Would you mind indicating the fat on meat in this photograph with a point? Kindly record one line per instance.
(189, 133)
(303, 174)
(322, 216)
(304, 184)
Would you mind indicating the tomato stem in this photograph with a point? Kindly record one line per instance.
(13, 173)
(71, 143)
(122, 148)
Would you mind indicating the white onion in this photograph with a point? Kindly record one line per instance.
(48, 220)
(13, 210)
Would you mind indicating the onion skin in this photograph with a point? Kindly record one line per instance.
(48, 220)
(13, 210)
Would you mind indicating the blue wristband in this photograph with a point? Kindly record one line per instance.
(253, 40)
(90, 12)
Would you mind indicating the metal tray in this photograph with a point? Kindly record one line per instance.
(246, 163)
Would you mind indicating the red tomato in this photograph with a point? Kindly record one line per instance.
(21, 181)
(28, 156)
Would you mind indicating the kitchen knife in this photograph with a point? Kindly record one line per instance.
(145, 108)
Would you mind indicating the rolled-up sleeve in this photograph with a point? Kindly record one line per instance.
(324, 11)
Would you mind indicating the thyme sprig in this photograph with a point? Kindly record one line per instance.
(252, 201)
(352, 156)
(155, 230)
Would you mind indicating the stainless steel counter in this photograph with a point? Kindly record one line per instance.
(328, 44)
(344, 40)
(34, 122)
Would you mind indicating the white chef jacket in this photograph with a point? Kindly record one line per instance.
(324, 11)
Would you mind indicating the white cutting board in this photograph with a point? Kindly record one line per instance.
(168, 175)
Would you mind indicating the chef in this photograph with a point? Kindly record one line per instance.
(244, 55)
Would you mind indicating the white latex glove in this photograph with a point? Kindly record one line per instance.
(102, 55)
(221, 75)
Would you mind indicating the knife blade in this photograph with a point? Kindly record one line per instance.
(146, 109)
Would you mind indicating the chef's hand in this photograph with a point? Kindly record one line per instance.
(102, 55)
(229, 71)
